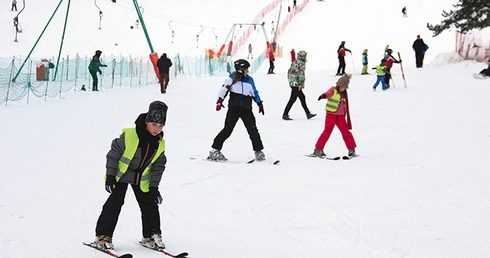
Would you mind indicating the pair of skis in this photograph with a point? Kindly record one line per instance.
(128, 255)
(332, 158)
(274, 162)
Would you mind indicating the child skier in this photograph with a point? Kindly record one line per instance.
(380, 74)
(337, 109)
(136, 158)
(365, 62)
(241, 88)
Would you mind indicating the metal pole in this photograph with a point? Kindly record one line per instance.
(37, 41)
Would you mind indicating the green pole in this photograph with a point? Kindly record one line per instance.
(45, 27)
(62, 39)
(136, 5)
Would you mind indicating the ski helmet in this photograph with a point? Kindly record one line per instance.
(302, 55)
(241, 65)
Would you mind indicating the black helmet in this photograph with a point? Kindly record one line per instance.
(241, 65)
(98, 52)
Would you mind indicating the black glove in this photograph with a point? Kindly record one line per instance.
(323, 96)
(155, 195)
(100, 72)
(261, 108)
(219, 104)
(110, 182)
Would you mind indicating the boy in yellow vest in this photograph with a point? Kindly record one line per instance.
(136, 158)
(380, 74)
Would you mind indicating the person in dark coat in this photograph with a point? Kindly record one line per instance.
(164, 65)
(14, 5)
(419, 47)
(94, 68)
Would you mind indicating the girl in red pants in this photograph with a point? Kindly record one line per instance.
(337, 110)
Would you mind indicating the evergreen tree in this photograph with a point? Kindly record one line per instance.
(469, 14)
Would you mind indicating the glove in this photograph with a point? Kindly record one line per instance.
(261, 108)
(110, 181)
(219, 104)
(155, 195)
(323, 96)
(104, 65)
(100, 72)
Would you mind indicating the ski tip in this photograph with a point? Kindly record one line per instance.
(276, 162)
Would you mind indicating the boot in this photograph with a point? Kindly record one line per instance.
(310, 115)
(154, 242)
(286, 117)
(259, 156)
(319, 153)
(216, 155)
(104, 242)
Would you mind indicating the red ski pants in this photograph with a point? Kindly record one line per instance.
(330, 122)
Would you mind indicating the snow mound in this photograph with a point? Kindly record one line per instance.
(446, 58)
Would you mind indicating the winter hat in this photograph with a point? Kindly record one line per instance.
(157, 112)
(343, 81)
(302, 55)
(98, 52)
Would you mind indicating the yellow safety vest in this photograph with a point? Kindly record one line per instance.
(131, 141)
(380, 70)
(333, 102)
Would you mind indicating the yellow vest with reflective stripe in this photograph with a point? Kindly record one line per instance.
(131, 141)
(333, 102)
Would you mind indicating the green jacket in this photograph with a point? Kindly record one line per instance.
(95, 64)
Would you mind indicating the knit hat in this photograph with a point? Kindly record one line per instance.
(343, 81)
(157, 112)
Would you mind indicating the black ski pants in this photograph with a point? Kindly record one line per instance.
(150, 216)
(248, 119)
(95, 80)
(341, 69)
(295, 94)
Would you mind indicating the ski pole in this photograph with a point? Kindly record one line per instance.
(401, 66)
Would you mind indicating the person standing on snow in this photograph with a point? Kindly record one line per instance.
(296, 78)
(389, 63)
(94, 68)
(136, 158)
(380, 74)
(250, 51)
(419, 47)
(14, 5)
(271, 62)
(365, 62)
(164, 64)
(404, 11)
(341, 55)
(242, 90)
(337, 109)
